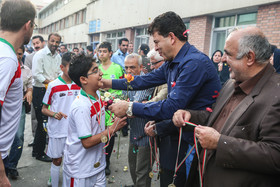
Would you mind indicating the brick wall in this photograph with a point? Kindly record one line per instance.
(268, 21)
(200, 32)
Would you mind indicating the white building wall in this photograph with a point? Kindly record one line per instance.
(131, 13)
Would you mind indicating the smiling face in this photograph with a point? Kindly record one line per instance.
(53, 43)
(94, 77)
(163, 45)
(37, 44)
(238, 68)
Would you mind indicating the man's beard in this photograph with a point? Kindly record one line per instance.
(26, 39)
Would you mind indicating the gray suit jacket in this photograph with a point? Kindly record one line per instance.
(248, 152)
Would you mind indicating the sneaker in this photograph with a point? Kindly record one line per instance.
(49, 182)
(13, 173)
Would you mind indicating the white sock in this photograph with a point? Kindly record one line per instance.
(55, 175)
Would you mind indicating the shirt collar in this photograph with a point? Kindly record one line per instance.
(248, 85)
(182, 53)
(61, 79)
(85, 94)
(121, 53)
(8, 43)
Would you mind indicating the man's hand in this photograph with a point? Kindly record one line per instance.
(107, 83)
(117, 125)
(207, 137)
(28, 96)
(60, 115)
(149, 128)
(4, 181)
(119, 108)
(180, 117)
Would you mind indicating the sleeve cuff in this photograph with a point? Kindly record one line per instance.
(138, 109)
(83, 137)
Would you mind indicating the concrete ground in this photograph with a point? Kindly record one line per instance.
(36, 173)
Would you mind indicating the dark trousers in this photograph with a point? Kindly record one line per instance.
(109, 150)
(166, 178)
(6, 164)
(40, 134)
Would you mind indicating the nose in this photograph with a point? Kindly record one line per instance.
(224, 58)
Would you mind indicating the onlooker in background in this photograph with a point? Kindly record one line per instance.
(75, 50)
(16, 28)
(17, 146)
(38, 44)
(139, 150)
(89, 51)
(221, 67)
(47, 68)
(275, 58)
(119, 56)
(143, 51)
(63, 49)
(130, 48)
(110, 70)
(81, 51)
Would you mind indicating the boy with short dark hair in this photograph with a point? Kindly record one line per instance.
(84, 158)
(56, 105)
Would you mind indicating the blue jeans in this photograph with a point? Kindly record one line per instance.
(17, 146)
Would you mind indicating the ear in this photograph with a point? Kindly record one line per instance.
(251, 57)
(61, 67)
(172, 37)
(28, 25)
(83, 80)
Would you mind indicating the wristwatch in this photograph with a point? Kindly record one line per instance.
(129, 109)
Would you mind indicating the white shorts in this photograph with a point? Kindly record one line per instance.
(56, 147)
(98, 180)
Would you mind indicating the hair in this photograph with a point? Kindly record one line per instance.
(215, 53)
(145, 48)
(79, 66)
(89, 47)
(257, 43)
(134, 55)
(155, 54)
(15, 13)
(169, 22)
(54, 34)
(121, 40)
(106, 45)
(76, 48)
(38, 36)
(22, 48)
(66, 58)
(64, 46)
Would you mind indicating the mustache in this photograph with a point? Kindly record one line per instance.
(37, 48)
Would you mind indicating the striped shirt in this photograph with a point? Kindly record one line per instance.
(137, 133)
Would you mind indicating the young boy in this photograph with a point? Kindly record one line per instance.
(84, 157)
(59, 96)
(110, 70)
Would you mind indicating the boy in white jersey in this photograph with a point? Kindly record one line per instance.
(59, 96)
(84, 156)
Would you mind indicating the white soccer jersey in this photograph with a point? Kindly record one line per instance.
(78, 161)
(60, 96)
(10, 96)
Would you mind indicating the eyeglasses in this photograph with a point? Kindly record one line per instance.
(97, 70)
(35, 26)
(154, 63)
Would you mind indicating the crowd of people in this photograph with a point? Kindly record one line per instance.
(192, 120)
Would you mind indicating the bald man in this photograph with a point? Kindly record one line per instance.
(242, 133)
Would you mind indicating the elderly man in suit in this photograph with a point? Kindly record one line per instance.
(242, 134)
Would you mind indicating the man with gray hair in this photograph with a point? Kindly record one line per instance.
(139, 150)
(242, 133)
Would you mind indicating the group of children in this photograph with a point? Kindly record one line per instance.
(76, 124)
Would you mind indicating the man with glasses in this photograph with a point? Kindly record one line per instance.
(17, 18)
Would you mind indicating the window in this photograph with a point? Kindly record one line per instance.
(223, 25)
(67, 22)
(114, 37)
(84, 16)
(141, 37)
(246, 19)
